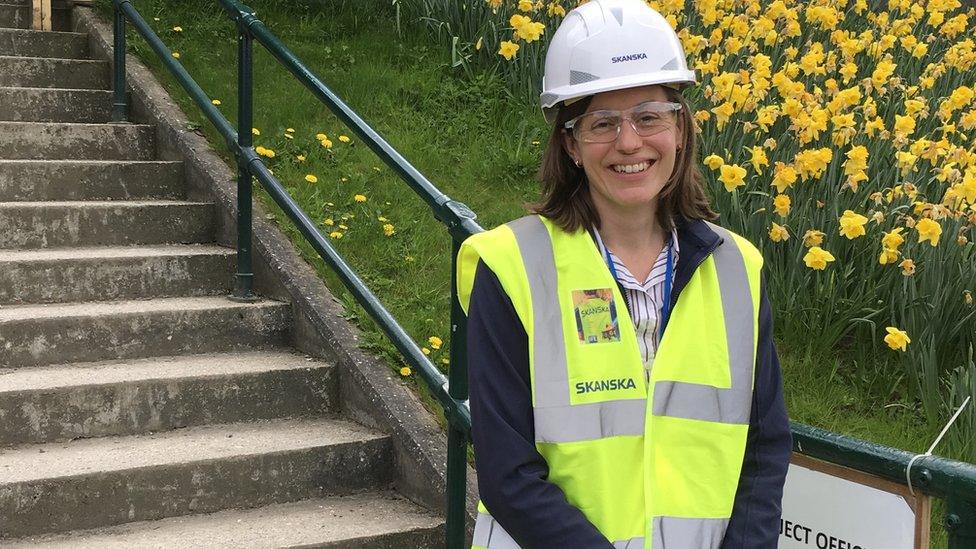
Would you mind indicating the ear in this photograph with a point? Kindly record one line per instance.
(570, 145)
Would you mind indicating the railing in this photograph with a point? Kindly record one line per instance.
(952, 480)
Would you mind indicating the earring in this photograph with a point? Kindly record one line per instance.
(578, 163)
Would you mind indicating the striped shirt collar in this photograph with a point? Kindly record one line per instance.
(656, 276)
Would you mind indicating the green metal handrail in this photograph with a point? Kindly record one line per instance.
(952, 480)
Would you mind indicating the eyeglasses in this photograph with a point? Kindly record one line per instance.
(647, 119)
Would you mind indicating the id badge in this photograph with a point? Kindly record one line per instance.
(596, 316)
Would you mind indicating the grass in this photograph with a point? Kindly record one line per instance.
(469, 137)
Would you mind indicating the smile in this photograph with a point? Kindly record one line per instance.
(633, 168)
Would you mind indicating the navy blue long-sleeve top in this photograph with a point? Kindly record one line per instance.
(512, 475)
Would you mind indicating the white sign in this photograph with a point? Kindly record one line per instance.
(830, 507)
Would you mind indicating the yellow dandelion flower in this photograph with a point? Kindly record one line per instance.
(300, 158)
(216, 102)
(311, 178)
(359, 198)
(255, 131)
(435, 342)
(329, 221)
(388, 229)
(176, 55)
(425, 350)
(405, 371)
(177, 29)
(344, 138)
(335, 235)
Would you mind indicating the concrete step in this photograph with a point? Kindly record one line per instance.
(45, 72)
(374, 520)
(40, 335)
(55, 105)
(91, 483)
(32, 43)
(65, 180)
(104, 223)
(109, 273)
(131, 397)
(64, 141)
(18, 15)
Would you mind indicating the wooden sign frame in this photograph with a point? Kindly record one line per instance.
(920, 504)
(42, 15)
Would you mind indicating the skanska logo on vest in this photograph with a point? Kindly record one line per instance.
(629, 57)
(584, 387)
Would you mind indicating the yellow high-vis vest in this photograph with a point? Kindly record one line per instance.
(656, 468)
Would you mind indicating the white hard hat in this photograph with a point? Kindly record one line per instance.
(607, 45)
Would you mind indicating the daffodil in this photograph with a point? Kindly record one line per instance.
(782, 205)
(907, 267)
(508, 49)
(813, 238)
(714, 161)
(817, 258)
(928, 229)
(784, 176)
(852, 224)
(732, 176)
(897, 339)
(778, 233)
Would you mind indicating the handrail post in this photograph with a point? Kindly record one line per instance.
(457, 440)
(119, 104)
(960, 522)
(244, 278)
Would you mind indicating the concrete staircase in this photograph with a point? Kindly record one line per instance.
(139, 406)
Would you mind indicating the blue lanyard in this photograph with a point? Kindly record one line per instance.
(668, 269)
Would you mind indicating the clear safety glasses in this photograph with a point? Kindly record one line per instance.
(647, 119)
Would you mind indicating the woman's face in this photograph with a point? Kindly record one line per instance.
(628, 173)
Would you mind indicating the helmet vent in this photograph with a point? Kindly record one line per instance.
(579, 77)
(618, 13)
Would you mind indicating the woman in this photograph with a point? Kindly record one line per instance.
(593, 425)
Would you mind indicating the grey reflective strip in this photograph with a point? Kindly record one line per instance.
(632, 543)
(590, 421)
(687, 533)
(705, 402)
(487, 533)
(551, 374)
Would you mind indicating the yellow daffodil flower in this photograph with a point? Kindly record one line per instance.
(732, 176)
(896, 339)
(928, 229)
(714, 161)
(907, 267)
(782, 205)
(813, 238)
(817, 258)
(852, 224)
(778, 233)
(508, 50)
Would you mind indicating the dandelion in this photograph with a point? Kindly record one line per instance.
(344, 138)
(216, 102)
(435, 342)
(928, 229)
(405, 371)
(255, 131)
(897, 339)
(177, 29)
(425, 350)
(289, 136)
(311, 178)
(817, 258)
(176, 55)
(326, 143)
(778, 233)
(289, 130)
(329, 221)
(388, 229)
(445, 361)
(300, 158)
(321, 137)
(335, 235)
(359, 198)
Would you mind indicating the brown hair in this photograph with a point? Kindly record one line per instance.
(565, 197)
